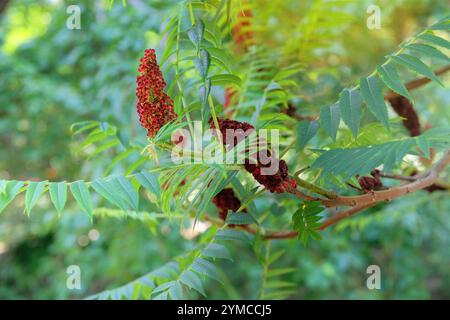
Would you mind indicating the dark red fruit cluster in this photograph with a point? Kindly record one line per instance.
(226, 200)
(278, 182)
(371, 183)
(226, 124)
(154, 106)
(405, 109)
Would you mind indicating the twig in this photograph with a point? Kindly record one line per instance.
(302, 195)
(397, 177)
(316, 189)
(421, 182)
(360, 203)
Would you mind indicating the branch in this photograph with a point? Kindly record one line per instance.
(312, 187)
(421, 182)
(302, 195)
(363, 202)
(397, 177)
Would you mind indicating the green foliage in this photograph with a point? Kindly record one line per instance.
(82, 195)
(306, 130)
(365, 159)
(58, 195)
(170, 281)
(306, 221)
(148, 210)
(350, 102)
(330, 117)
(390, 77)
(272, 287)
(10, 190)
(240, 218)
(34, 192)
(371, 93)
(350, 107)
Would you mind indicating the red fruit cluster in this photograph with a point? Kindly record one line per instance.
(226, 124)
(371, 183)
(154, 106)
(226, 200)
(405, 109)
(278, 182)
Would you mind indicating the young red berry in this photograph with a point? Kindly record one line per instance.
(226, 200)
(278, 181)
(154, 106)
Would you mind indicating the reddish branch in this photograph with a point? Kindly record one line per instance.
(362, 202)
(356, 204)
(422, 181)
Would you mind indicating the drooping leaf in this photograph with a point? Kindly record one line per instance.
(206, 268)
(428, 51)
(176, 291)
(202, 63)
(306, 130)
(329, 119)
(214, 250)
(389, 75)
(371, 92)
(416, 65)
(149, 181)
(350, 107)
(190, 279)
(352, 161)
(82, 196)
(441, 25)
(11, 190)
(108, 191)
(433, 39)
(424, 145)
(58, 195)
(195, 33)
(126, 191)
(34, 191)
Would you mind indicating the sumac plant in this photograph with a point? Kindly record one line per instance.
(274, 170)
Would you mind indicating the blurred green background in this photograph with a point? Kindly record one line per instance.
(51, 77)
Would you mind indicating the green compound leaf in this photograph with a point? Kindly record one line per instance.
(82, 196)
(371, 92)
(58, 195)
(34, 191)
